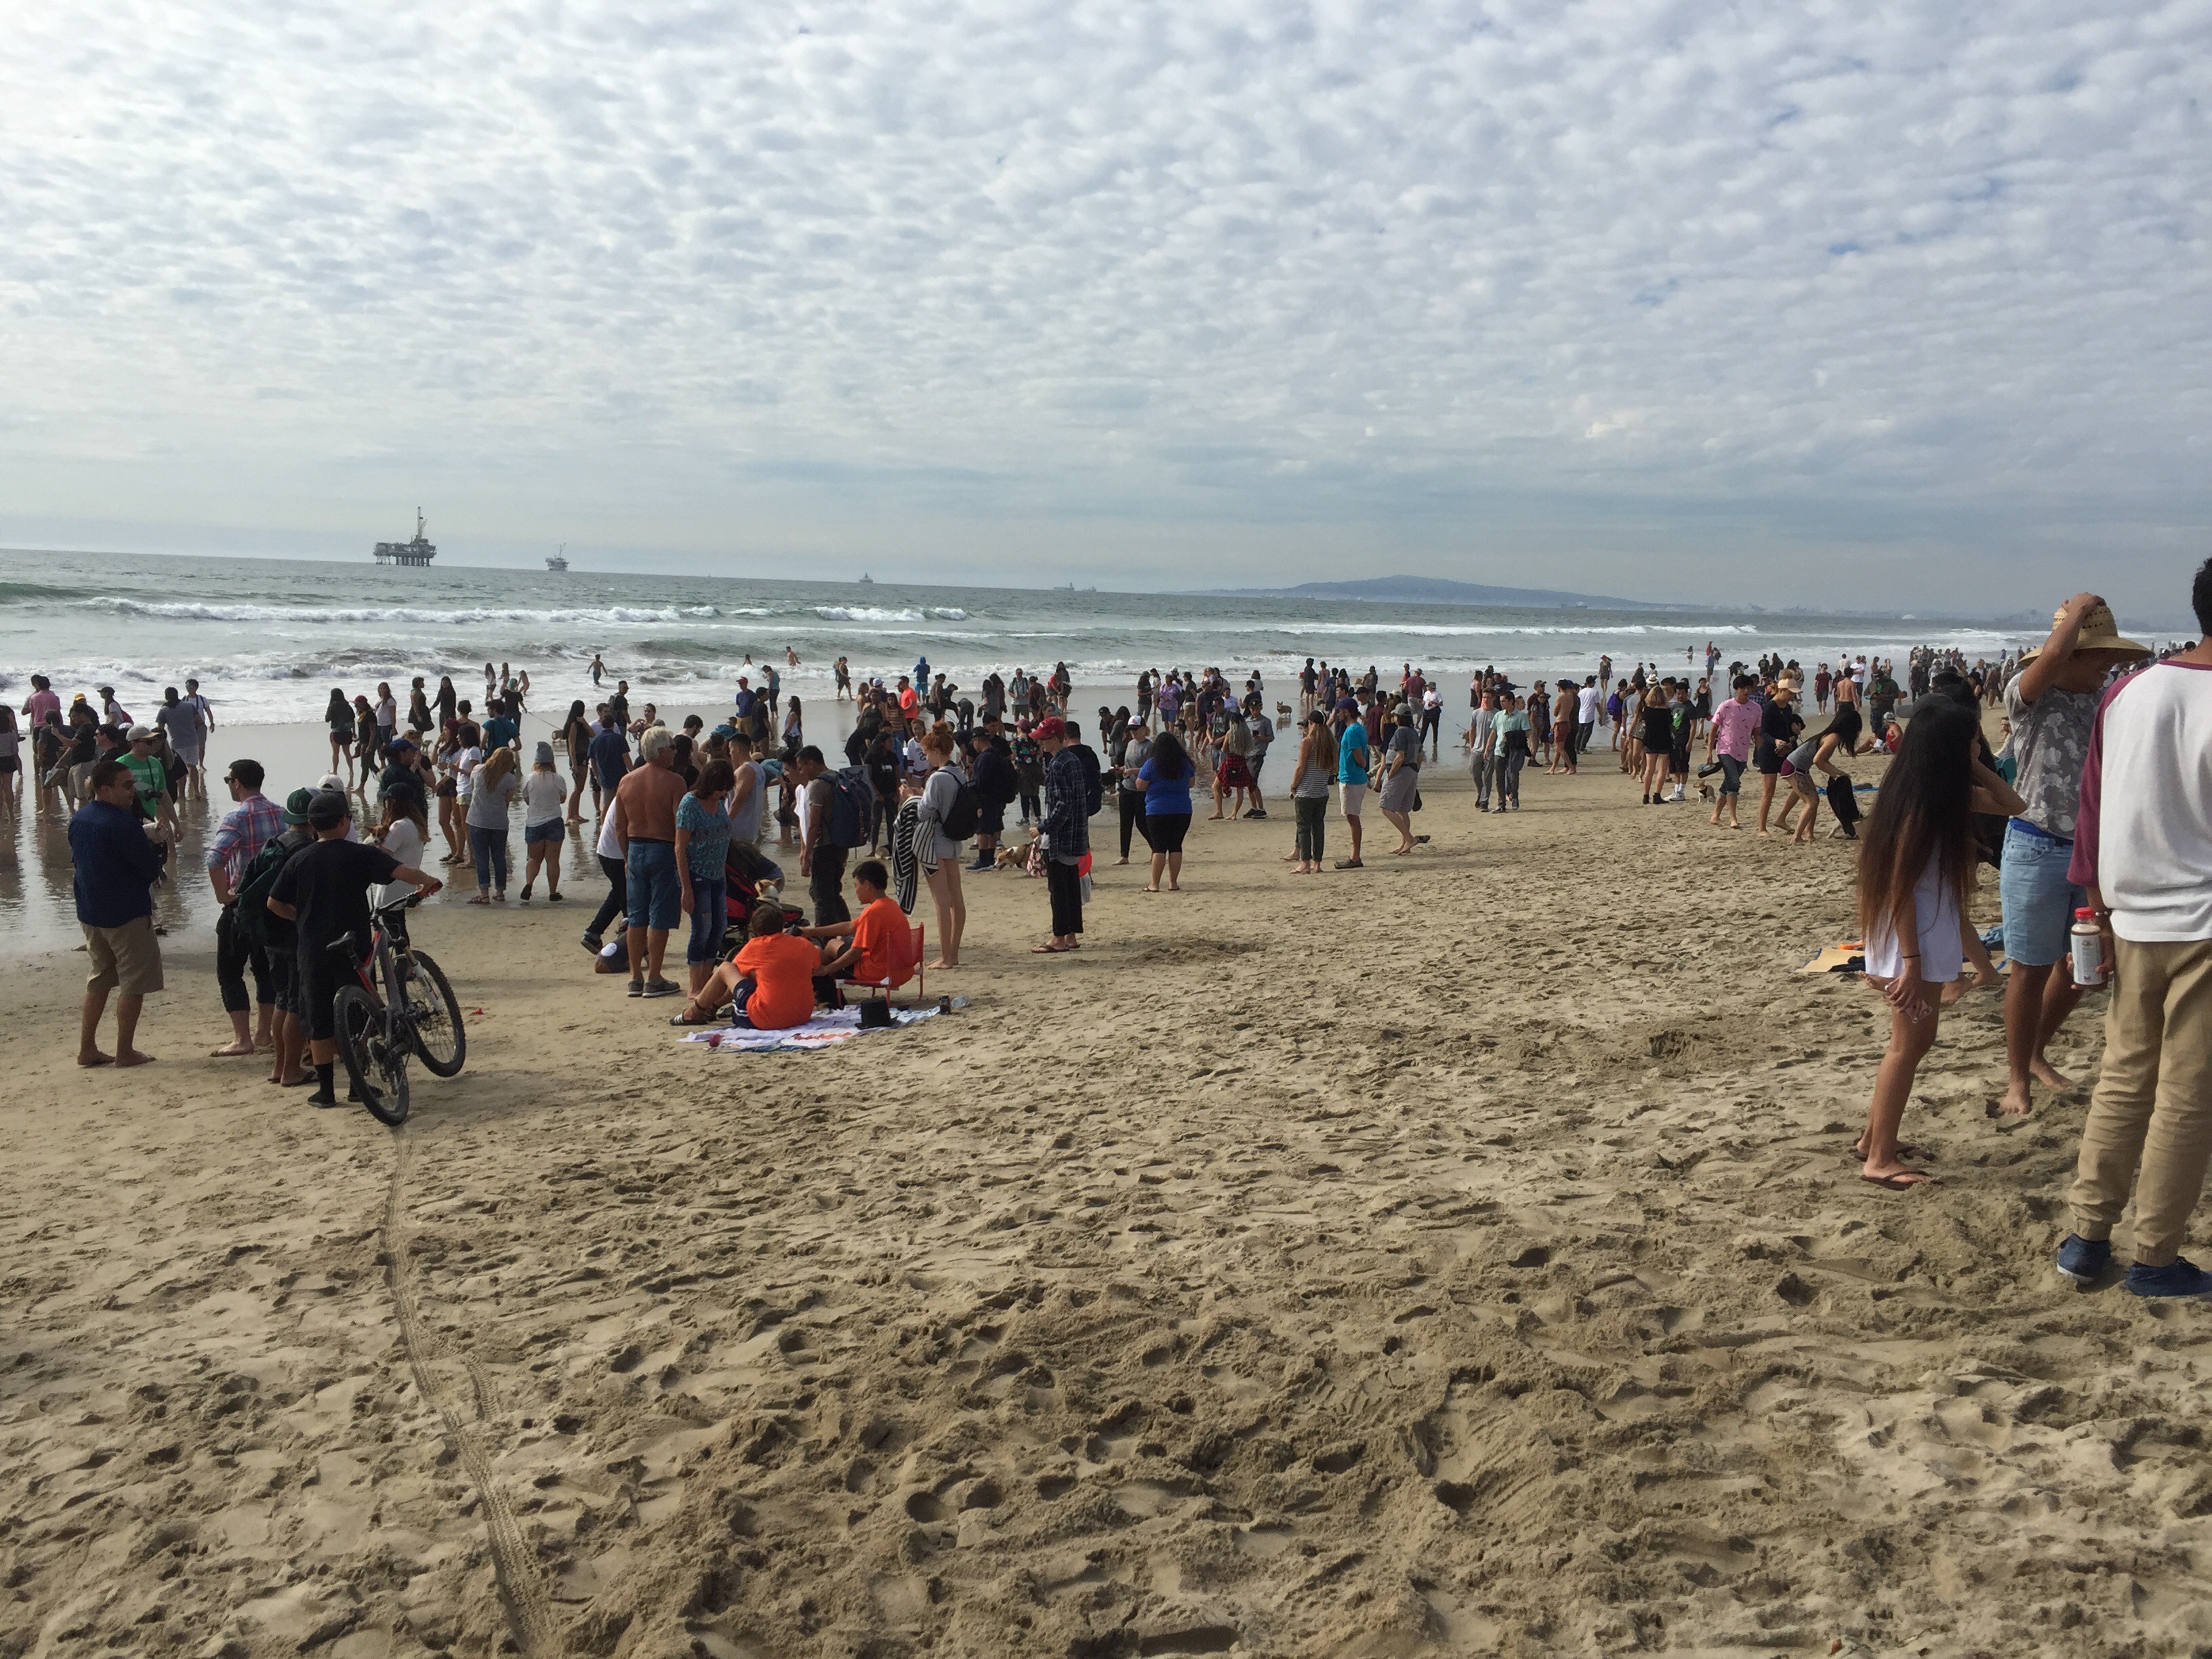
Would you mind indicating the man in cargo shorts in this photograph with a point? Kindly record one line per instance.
(116, 869)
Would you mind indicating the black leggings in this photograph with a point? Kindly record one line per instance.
(1032, 807)
(1132, 817)
(617, 895)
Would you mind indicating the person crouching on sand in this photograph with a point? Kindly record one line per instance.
(1916, 873)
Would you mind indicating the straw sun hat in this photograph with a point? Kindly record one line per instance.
(2099, 632)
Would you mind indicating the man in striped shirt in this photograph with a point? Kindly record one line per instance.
(249, 826)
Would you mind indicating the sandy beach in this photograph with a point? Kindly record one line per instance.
(1459, 1255)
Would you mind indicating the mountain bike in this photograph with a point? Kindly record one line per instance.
(415, 1011)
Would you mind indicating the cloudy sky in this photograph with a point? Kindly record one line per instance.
(1818, 303)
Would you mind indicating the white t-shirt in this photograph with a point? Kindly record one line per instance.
(544, 797)
(2144, 829)
(387, 713)
(464, 772)
(404, 842)
(608, 847)
(1586, 702)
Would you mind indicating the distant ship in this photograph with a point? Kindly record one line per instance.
(416, 553)
(866, 581)
(559, 560)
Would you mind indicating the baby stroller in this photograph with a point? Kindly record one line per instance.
(749, 878)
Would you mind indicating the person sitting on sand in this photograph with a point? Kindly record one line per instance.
(772, 984)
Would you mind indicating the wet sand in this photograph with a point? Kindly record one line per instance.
(1460, 1255)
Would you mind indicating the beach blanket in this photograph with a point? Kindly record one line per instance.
(1849, 958)
(827, 1028)
(1845, 958)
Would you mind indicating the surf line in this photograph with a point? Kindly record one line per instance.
(521, 1589)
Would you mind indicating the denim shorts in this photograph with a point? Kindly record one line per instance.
(2040, 902)
(551, 830)
(651, 884)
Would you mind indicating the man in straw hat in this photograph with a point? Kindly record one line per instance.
(2052, 704)
(2144, 848)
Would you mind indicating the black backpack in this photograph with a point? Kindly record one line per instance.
(963, 815)
(250, 913)
(852, 810)
(994, 776)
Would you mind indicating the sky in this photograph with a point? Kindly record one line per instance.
(1818, 304)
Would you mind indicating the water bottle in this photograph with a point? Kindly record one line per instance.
(2088, 949)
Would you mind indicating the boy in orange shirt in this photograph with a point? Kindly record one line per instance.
(882, 948)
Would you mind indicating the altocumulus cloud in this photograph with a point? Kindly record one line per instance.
(1129, 261)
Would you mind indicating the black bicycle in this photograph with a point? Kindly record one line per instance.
(415, 1011)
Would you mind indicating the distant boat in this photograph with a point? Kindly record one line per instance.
(559, 560)
(417, 553)
(866, 581)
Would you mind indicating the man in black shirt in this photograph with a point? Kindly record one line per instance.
(324, 893)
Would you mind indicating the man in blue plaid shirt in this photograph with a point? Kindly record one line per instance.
(249, 826)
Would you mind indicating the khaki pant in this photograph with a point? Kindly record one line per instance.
(2153, 1099)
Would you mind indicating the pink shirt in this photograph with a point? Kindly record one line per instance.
(1735, 724)
(41, 704)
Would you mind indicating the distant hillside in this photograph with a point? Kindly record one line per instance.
(1435, 590)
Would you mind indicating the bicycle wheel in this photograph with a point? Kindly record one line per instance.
(375, 1067)
(434, 1015)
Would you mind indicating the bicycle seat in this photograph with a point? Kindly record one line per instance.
(345, 944)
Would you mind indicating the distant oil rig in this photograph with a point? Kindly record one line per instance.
(417, 553)
(559, 560)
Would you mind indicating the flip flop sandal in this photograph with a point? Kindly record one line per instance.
(679, 1019)
(1048, 950)
(1905, 1149)
(1903, 1182)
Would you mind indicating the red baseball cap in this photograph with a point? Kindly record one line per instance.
(1051, 726)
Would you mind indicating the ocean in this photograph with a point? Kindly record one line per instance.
(268, 638)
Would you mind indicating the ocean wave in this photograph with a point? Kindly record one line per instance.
(472, 616)
(878, 613)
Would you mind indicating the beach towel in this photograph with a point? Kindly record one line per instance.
(914, 854)
(828, 1027)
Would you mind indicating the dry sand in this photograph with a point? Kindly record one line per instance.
(1458, 1256)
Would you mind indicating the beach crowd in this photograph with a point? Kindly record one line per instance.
(2091, 798)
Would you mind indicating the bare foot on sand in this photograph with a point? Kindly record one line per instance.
(94, 1057)
(133, 1057)
(2048, 1075)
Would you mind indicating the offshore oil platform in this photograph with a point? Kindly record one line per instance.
(416, 553)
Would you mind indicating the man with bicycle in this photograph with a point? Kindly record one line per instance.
(324, 893)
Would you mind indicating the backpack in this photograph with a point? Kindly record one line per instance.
(994, 776)
(1094, 785)
(960, 820)
(250, 911)
(852, 809)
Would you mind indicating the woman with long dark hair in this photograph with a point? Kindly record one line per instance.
(576, 739)
(1167, 778)
(1916, 874)
(338, 715)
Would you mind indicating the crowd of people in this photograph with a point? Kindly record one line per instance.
(2092, 804)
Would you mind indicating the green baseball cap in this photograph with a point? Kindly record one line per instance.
(296, 804)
